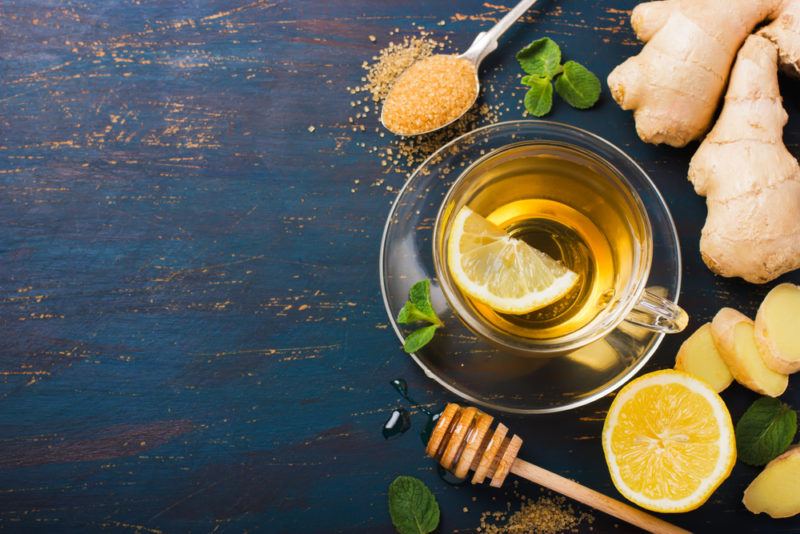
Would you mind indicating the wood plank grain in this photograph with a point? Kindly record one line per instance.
(191, 331)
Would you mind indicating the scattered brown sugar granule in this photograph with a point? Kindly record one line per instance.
(391, 62)
(433, 92)
(402, 154)
(546, 515)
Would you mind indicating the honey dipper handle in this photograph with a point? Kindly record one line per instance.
(593, 498)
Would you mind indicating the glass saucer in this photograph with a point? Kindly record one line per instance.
(472, 368)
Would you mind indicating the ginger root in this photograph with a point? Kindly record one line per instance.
(675, 83)
(777, 328)
(776, 490)
(734, 338)
(750, 180)
(699, 357)
(784, 32)
(674, 86)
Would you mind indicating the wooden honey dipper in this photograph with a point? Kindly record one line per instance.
(462, 442)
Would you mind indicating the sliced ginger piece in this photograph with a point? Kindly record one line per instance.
(734, 338)
(776, 491)
(777, 328)
(698, 356)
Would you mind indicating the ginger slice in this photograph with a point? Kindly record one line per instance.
(735, 340)
(698, 356)
(776, 490)
(777, 328)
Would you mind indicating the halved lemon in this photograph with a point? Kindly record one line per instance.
(668, 441)
(505, 273)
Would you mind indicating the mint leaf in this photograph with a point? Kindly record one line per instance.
(419, 307)
(578, 86)
(765, 431)
(412, 506)
(419, 338)
(420, 296)
(411, 314)
(541, 58)
(539, 98)
(533, 79)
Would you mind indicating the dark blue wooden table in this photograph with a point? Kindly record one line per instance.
(191, 331)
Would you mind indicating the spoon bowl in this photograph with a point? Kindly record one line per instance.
(482, 46)
(448, 123)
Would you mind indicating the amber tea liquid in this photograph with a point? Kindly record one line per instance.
(559, 200)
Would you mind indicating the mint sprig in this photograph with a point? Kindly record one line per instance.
(765, 431)
(417, 309)
(412, 506)
(541, 60)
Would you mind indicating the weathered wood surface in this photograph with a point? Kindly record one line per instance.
(191, 331)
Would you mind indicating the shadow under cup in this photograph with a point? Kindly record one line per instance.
(577, 207)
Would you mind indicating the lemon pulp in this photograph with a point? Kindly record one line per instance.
(505, 273)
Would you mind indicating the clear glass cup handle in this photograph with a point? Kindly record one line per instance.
(657, 313)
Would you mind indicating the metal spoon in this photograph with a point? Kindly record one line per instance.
(482, 46)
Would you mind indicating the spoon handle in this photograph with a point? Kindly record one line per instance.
(486, 42)
(593, 498)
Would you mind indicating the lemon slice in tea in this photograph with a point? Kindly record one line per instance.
(505, 273)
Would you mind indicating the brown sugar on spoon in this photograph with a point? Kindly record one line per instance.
(432, 93)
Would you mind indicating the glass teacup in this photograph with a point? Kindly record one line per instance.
(571, 199)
